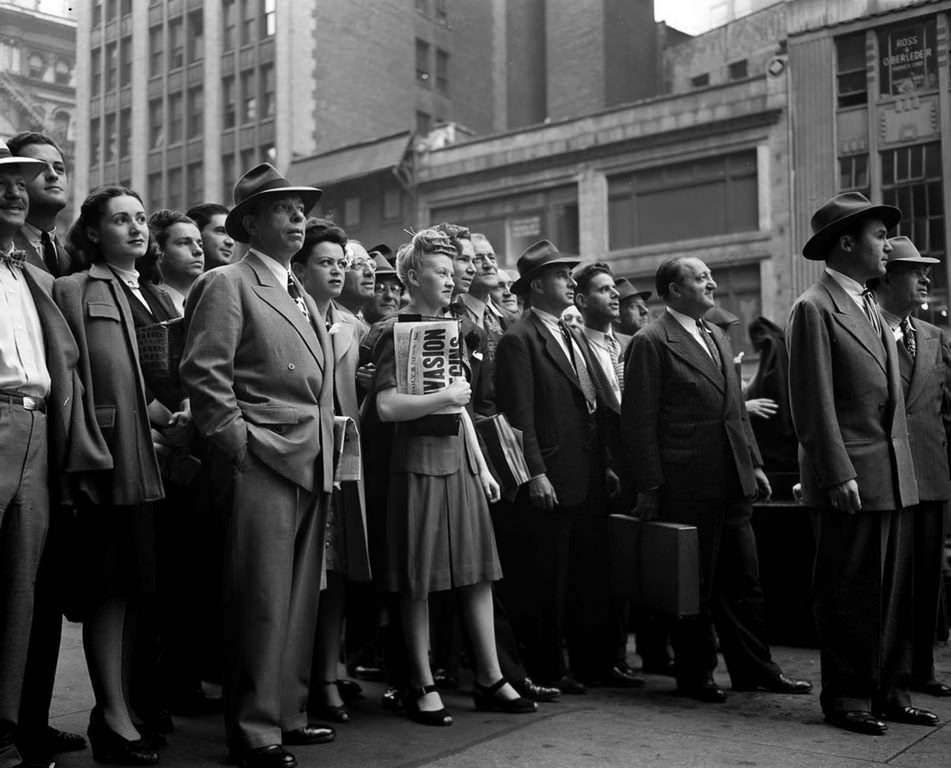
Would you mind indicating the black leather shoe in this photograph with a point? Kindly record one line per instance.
(569, 686)
(706, 691)
(392, 699)
(910, 716)
(857, 721)
(531, 690)
(272, 756)
(349, 691)
(622, 676)
(49, 741)
(932, 688)
(309, 734)
(780, 684)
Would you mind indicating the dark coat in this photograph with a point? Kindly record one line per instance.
(34, 257)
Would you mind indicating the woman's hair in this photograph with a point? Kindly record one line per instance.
(84, 250)
(455, 233)
(160, 223)
(426, 242)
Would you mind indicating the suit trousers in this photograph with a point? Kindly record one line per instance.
(928, 577)
(731, 597)
(273, 562)
(862, 602)
(24, 518)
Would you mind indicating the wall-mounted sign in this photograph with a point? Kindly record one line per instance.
(529, 226)
(908, 63)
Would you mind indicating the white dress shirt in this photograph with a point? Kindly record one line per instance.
(689, 324)
(131, 278)
(22, 348)
(601, 347)
(852, 287)
(276, 268)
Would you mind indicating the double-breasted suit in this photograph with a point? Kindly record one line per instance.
(260, 378)
(848, 410)
(687, 435)
(554, 561)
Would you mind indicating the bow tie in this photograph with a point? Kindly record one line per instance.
(15, 258)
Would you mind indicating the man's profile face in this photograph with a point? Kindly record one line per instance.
(486, 266)
(633, 314)
(277, 225)
(216, 242)
(14, 200)
(870, 248)
(360, 281)
(600, 300)
(49, 189)
(694, 291)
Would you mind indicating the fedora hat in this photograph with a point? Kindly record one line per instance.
(628, 291)
(839, 213)
(535, 258)
(383, 267)
(29, 166)
(904, 252)
(262, 180)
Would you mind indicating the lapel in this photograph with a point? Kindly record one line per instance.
(853, 319)
(688, 349)
(927, 344)
(554, 350)
(276, 296)
(22, 242)
(102, 273)
(342, 336)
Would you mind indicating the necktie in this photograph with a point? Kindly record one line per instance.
(871, 311)
(581, 371)
(49, 254)
(908, 337)
(614, 347)
(14, 259)
(711, 347)
(298, 299)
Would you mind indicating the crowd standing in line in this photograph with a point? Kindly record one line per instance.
(184, 506)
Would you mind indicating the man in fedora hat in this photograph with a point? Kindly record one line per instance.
(856, 468)
(924, 361)
(544, 387)
(258, 367)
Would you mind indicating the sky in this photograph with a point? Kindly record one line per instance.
(691, 16)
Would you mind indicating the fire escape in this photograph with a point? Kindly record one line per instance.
(9, 85)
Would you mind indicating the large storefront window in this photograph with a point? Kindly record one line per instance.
(703, 198)
(908, 60)
(911, 180)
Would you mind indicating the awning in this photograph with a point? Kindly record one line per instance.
(351, 162)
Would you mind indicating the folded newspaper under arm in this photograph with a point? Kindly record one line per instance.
(347, 459)
(502, 448)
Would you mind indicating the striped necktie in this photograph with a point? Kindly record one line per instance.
(908, 337)
(615, 348)
(711, 347)
(871, 311)
(295, 294)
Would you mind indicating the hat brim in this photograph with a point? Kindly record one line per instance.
(234, 225)
(644, 295)
(817, 247)
(913, 260)
(30, 167)
(520, 286)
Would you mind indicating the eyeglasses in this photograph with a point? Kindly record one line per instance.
(363, 264)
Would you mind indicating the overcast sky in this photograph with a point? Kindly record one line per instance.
(690, 16)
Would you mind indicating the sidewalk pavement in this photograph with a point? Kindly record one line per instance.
(606, 728)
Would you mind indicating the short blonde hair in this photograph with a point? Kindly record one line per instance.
(426, 242)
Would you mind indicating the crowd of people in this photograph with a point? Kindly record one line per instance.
(175, 394)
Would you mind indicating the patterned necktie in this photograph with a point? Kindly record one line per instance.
(711, 347)
(871, 311)
(14, 259)
(49, 254)
(298, 299)
(614, 347)
(908, 337)
(581, 371)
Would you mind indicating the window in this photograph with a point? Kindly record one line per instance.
(422, 61)
(442, 71)
(850, 77)
(125, 7)
(196, 112)
(270, 17)
(423, 122)
(392, 200)
(125, 61)
(196, 37)
(268, 87)
(125, 131)
(156, 124)
(228, 102)
(700, 81)
(155, 190)
(174, 197)
(249, 101)
(61, 121)
(853, 174)
(351, 211)
(227, 177)
(442, 16)
(112, 6)
(37, 66)
(228, 25)
(739, 70)
(112, 66)
(422, 7)
(907, 57)
(96, 13)
(64, 72)
(176, 118)
(95, 66)
(248, 19)
(196, 183)
(721, 194)
(95, 141)
(112, 137)
(156, 52)
(176, 44)
(247, 159)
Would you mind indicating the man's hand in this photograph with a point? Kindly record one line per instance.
(845, 497)
(762, 407)
(763, 489)
(366, 374)
(542, 494)
(648, 505)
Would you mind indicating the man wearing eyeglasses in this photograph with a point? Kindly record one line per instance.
(359, 282)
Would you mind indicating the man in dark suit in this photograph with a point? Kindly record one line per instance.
(44, 432)
(692, 459)
(552, 543)
(49, 193)
(856, 469)
(924, 361)
(258, 366)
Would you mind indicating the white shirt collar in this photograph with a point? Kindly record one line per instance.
(689, 323)
(274, 266)
(128, 276)
(852, 287)
(35, 234)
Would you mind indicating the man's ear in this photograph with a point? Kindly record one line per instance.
(847, 243)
